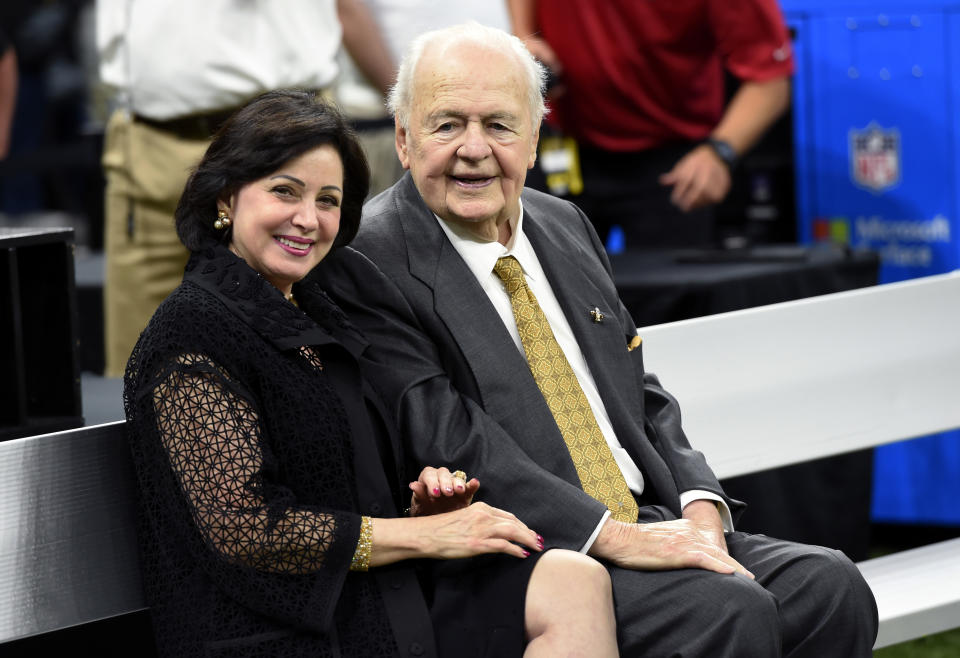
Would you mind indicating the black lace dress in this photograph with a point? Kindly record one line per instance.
(258, 446)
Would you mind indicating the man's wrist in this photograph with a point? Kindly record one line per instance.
(702, 506)
(585, 549)
(610, 540)
(726, 517)
(724, 151)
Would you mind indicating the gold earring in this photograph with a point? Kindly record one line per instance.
(222, 221)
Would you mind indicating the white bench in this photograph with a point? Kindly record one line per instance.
(819, 377)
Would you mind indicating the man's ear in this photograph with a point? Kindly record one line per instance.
(401, 144)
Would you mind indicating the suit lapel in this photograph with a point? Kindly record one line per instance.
(460, 302)
(600, 342)
(498, 372)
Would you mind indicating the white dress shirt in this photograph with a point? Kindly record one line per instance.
(481, 257)
(173, 58)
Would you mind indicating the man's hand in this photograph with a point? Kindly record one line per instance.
(437, 491)
(706, 518)
(700, 178)
(660, 546)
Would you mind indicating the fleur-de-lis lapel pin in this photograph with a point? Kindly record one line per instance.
(596, 315)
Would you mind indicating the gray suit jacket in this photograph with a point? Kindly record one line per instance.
(463, 394)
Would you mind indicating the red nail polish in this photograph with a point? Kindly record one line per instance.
(436, 491)
(526, 553)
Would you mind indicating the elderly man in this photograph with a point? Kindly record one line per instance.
(498, 334)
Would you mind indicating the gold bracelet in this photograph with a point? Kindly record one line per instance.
(361, 557)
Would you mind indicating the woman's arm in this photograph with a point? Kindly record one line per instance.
(212, 438)
(207, 491)
(211, 434)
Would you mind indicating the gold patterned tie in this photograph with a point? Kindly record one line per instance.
(599, 474)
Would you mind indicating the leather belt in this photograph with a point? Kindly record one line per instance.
(192, 126)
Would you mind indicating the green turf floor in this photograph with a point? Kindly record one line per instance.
(942, 645)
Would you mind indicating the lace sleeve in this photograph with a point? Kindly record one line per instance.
(212, 437)
(283, 558)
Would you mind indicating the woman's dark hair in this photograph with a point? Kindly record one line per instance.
(261, 137)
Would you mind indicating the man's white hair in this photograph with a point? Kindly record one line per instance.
(400, 99)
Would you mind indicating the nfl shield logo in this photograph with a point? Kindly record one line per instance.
(875, 157)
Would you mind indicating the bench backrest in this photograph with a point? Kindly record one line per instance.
(68, 552)
(786, 383)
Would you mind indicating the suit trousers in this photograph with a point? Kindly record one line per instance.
(145, 169)
(806, 601)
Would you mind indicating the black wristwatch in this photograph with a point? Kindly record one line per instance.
(724, 151)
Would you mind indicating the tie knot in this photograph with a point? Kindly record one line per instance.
(509, 270)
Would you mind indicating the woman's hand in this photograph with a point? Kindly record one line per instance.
(478, 529)
(437, 490)
(475, 530)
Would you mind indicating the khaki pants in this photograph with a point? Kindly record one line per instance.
(145, 170)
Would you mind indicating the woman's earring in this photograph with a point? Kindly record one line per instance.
(222, 221)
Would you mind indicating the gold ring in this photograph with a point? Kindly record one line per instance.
(461, 475)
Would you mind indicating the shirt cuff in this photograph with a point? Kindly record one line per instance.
(688, 497)
(596, 533)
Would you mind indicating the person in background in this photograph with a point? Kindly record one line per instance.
(269, 473)
(649, 141)
(499, 340)
(178, 69)
(8, 92)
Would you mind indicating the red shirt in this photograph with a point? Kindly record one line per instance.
(640, 73)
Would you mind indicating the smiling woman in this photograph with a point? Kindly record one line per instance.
(286, 222)
(249, 149)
